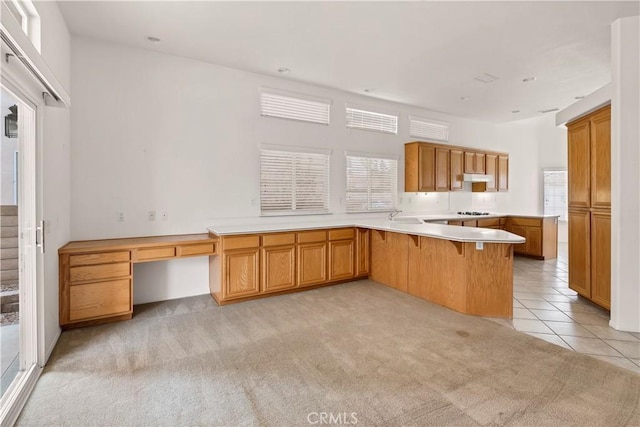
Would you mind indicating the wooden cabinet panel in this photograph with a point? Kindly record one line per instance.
(191, 250)
(442, 169)
(241, 273)
(312, 236)
(520, 231)
(154, 254)
(480, 163)
(528, 222)
(489, 222)
(426, 165)
(362, 252)
(534, 241)
(454, 222)
(98, 272)
(341, 259)
(601, 259)
(240, 242)
(601, 160)
(342, 234)
(278, 239)
(456, 166)
(503, 173)
(469, 162)
(278, 268)
(100, 299)
(312, 263)
(470, 223)
(579, 252)
(389, 258)
(579, 164)
(99, 258)
(492, 169)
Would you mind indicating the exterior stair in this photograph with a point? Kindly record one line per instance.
(9, 258)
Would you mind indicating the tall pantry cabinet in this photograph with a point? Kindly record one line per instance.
(589, 174)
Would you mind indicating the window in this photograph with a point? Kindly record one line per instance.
(428, 129)
(294, 182)
(555, 193)
(370, 120)
(28, 18)
(296, 107)
(372, 183)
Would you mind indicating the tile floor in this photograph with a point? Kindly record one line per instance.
(545, 307)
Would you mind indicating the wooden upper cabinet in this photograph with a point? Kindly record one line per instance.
(426, 172)
(600, 131)
(426, 168)
(503, 173)
(579, 148)
(456, 167)
(492, 169)
(474, 162)
(442, 169)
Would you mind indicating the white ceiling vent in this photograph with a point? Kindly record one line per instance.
(486, 78)
(428, 129)
(550, 110)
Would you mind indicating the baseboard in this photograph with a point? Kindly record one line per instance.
(48, 352)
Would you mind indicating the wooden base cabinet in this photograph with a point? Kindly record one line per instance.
(278, 268)
(601, 258)
(541, 235)
(241, 273)
(341, 259)
(312, 263)
(362, 252)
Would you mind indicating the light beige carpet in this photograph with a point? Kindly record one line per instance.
(358, 352)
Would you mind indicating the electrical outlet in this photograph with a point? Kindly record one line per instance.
(165, 216)
(152, 215)
(120, 216)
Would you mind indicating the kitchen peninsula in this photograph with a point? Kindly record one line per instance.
(469, 270)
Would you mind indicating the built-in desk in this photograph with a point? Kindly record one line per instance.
(96, 276)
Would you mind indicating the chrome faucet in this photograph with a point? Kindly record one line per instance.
(393, 214)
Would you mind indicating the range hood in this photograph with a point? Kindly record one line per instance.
(476, 177)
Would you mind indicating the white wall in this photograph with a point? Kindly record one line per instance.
(625, 158)
(158, 132)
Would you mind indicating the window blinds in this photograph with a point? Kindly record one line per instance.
(274, 104)
(293, 182)
(555, 193)
(428, 129)
(372, 184)
(370, 120)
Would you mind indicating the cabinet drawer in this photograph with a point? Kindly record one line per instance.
(98, 258)
(489, 222)
(528, 222)
(279, 239)
(200, 249)
(97, 272)
(240, 242)
(312, 236)
(342, 234)
(470, 223)
(152, 254)
(100, 299)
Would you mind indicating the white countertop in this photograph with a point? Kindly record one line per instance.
(453, 216)
(437, 231)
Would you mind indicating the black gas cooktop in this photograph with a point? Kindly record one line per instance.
(474, 213)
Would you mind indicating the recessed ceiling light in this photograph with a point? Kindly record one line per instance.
(284, 70)
(153, 39)
(528, 79)
(550, 110)
(515, 111)
(369, 89)
(486, 78)
(465, 98)
(579, 97)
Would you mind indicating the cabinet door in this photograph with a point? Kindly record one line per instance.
(469, 162)
(389, 258)
(579, 164)
(100, 299)
(442, 169)
(312, 263)
(362, 252)
(241, 277)
(341, 260)
(457, 169)
(579, 252)
(503, 173)
(278, 268)
(601, 259)
(426, 163)
(601, 159)
(479, 163)
(492, 169)
(534, 241)
(520, 230)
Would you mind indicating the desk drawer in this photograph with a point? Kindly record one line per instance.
(100, 299)
(98, 258)
(199, 249)
(97, 272)
(152, 254)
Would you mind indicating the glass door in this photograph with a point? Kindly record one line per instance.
(18, 248)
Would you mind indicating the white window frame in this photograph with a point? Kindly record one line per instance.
(372, 113)
(297, 157)
(426, 123)
(30, 19)
(275, 103)
(553, 209)
(371, 200)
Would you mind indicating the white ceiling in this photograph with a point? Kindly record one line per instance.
(420, 53)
